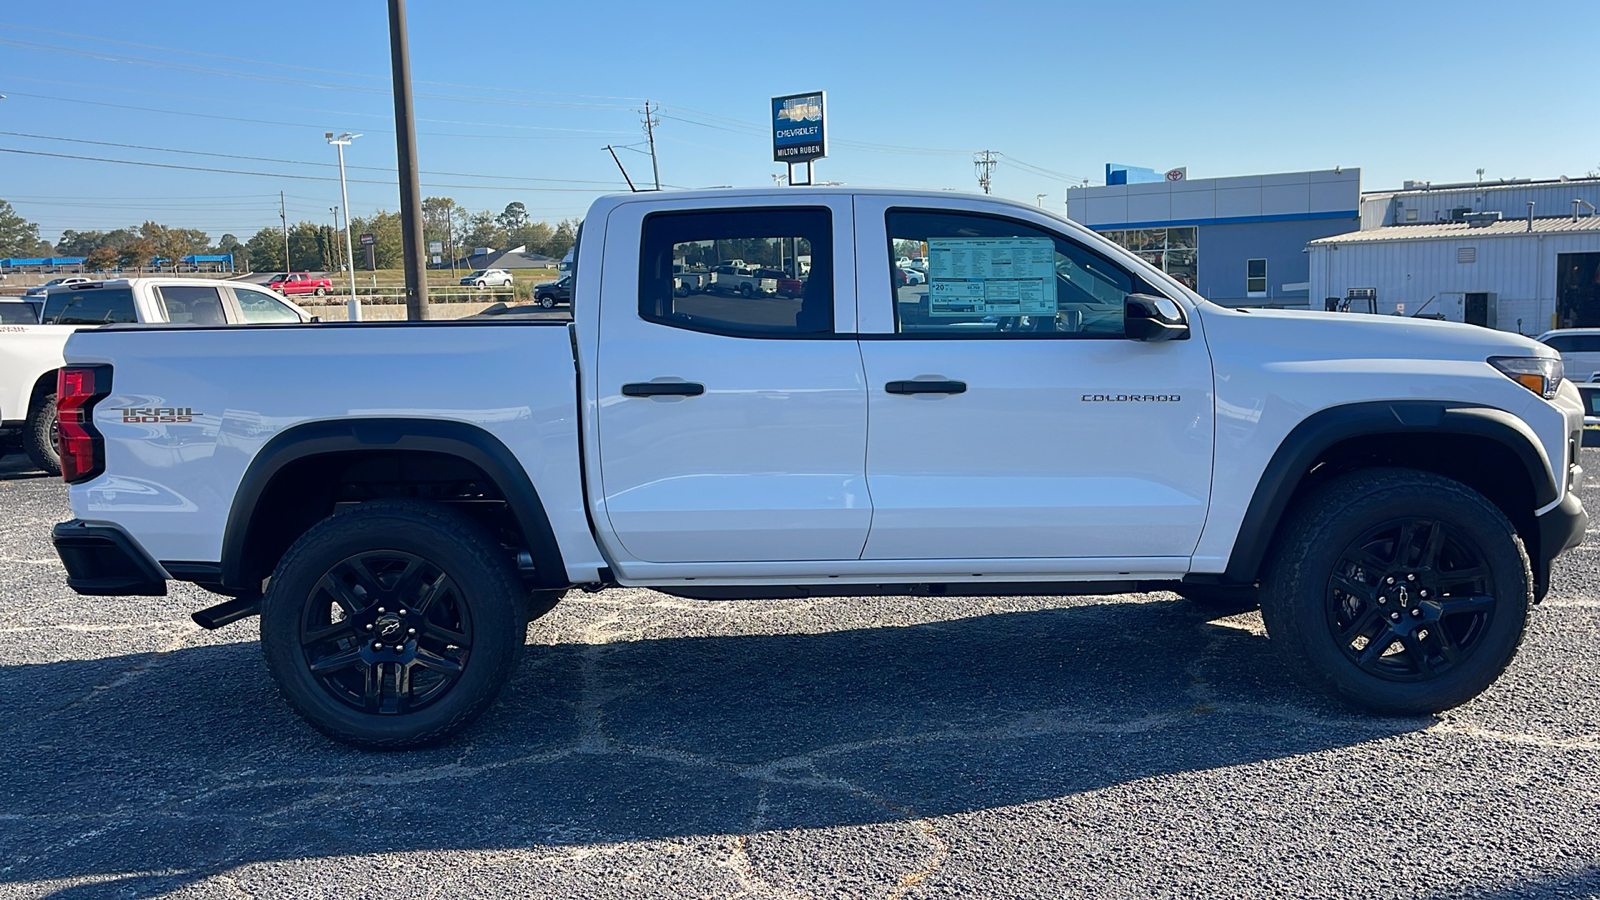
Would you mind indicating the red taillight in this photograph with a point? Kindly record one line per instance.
(83, 451)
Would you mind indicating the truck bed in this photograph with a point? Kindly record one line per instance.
(173, 485)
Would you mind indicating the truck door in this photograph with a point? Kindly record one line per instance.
(731, 427)
(1010, 416)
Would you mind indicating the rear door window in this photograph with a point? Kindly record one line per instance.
(192, 305)
(92, 306)
(18, 314)
(736, 302)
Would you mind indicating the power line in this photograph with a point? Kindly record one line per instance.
(282, 65)
(156, 165)
(283, 80)
(297, 162)
(280, 122)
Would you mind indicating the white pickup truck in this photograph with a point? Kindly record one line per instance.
(1048, 415)
(31, 354)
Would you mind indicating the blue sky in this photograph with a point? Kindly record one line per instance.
(518, 100)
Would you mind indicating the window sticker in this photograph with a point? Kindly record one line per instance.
(1011, 276)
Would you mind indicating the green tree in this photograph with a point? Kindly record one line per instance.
(389, 251)
(566, 235)
(514, 217)
(136, 253)
(483, 230)
(18, 236)
(80, 243)
(265, 250)
(99, 259)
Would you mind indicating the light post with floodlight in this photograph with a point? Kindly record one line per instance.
(343, 141)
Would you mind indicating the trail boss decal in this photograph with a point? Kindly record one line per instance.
(1132, 398)
(157, 415)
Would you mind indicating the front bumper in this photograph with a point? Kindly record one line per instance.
(102, 560)
(1560, 530)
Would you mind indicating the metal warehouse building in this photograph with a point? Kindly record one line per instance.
(1513, 274)
(1237, 241)
(1464, 252)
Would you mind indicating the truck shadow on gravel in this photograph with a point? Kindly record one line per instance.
(159, 770)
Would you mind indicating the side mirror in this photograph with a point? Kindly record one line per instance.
(1149, 318)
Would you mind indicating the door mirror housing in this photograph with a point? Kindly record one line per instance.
(1146, 317)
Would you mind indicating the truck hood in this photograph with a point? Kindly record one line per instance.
(1301, 335)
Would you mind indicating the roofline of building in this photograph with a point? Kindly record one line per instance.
(1467, 231)
(1505, 184)
(1227, 220)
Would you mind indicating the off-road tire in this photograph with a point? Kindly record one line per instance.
(39, 436)
(1321, 529)
(463, 550)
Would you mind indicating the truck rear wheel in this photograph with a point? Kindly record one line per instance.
(320, 292)
(1397, 591)
(40, 434)
(393, 625)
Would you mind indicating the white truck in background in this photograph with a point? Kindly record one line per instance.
(1048, 415)
(31, 354)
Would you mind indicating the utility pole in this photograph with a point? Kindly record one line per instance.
(984, 163)
(650, 123)
(406, 150)
(284, 215)
(335, 245)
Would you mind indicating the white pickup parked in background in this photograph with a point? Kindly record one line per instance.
(30, 354)
(1047, 414)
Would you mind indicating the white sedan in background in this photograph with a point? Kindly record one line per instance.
(488, 278)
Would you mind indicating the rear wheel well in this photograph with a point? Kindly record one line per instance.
(44, 387)
(308, 490)
(1481, 463)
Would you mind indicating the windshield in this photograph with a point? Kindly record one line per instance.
(478, 272)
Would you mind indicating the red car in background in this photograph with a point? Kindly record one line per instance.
(291, 283)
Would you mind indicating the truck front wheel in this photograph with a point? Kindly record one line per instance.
(1398, 591)
(393, 625)
(39, 436)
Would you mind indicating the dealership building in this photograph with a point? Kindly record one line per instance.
(1237, 241)
(1520, 256)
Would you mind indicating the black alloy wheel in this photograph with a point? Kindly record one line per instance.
(1410, 599)
(393, 624)
(386, 632)
(1397, 591)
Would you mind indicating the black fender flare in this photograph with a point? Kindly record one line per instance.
(461, 439)
(1321, 430)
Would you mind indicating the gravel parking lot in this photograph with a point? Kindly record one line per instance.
(894, 746)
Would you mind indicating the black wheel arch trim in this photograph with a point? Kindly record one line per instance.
(1321, 430)
(461, 439)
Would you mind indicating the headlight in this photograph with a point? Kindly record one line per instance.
(1536, 373)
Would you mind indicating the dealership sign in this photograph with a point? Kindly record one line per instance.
(797, 128)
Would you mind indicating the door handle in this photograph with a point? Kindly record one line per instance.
(663, 389)
(926, 387)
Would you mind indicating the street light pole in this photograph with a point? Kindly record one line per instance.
(343, 141)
